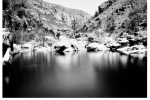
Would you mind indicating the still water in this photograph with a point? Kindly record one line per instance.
(78, 74)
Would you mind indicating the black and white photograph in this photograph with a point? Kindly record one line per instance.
(74, 49)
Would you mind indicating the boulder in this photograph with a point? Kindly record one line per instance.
(74, 43)
(7, 55)
(137, 49)
(17, 47)
(65, 46)
(62, 38)
(27, 45)
(123, 42)
(96, 47)
(114, 46)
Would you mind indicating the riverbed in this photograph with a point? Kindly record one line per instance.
(77, 74)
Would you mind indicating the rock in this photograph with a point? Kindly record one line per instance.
(123, 42)
(17, 47)
(55, 16)
(114, 46)
(27, 46)
(74, 44)
(137, 49)
(65, 46)
(69, 50)
(137, 41)
(62, 38)
(132, 42)
(6, 56)
(96, 47)
(118, 12)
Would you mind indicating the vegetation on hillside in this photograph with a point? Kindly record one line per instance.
(33, 19)
(119, 16)
(18, 19)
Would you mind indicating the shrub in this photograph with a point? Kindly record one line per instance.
(110, 24)
(90, 39)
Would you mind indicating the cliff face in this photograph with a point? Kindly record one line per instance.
(28, 19)
(117, 16)
(55, 16)
(52, 16)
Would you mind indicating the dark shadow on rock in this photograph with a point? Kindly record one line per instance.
(60, 53)
(59, 49)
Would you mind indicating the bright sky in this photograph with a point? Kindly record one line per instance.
(89, 6)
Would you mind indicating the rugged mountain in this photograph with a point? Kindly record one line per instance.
(119, 16)
(30, 19)
(56, 16)
(52, 16)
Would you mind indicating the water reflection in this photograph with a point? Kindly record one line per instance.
(78, 74)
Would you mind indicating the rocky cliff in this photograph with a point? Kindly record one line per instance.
(119, 16)
(56, 16)
(52, 16)
(27, 19)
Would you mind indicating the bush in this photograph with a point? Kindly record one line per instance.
(110, 24)
(77, 36)
(58, 35)
(90, 39)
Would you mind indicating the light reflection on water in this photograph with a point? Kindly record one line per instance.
(78, 74)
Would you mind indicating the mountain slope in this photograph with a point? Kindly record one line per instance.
(118, 16)
(52, 16)
(27, 19)
(56, 16)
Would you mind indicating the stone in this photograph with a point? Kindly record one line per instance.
(96, 47)
(27, 46)
(136, 49)
(6, 56)
(114, 46)
(65, 46)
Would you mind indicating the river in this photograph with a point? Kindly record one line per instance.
(79, 74)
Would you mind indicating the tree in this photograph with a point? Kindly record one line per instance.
(40, 28)
(100, 10)
(74, 25)
(63, 17)
(99, 33)
(58, 35)
(110, 24)
(96, 13)
(14, 17)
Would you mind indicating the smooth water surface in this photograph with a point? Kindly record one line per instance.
(78, 74)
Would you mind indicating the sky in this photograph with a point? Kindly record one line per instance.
(89, 6)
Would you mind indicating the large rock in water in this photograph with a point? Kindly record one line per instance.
(114, 46)
(65, 46)
(96, 47)
(135, 50)
(28, 45)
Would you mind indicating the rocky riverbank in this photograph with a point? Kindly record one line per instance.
(65, 44)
